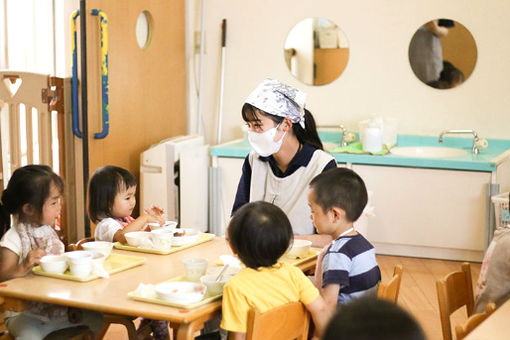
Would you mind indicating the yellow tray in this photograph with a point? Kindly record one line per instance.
(207, 298)
(113, 264)
(204, 237)
(312, 253)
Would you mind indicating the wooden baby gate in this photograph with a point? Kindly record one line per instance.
(33, 127)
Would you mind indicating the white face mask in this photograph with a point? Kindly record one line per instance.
(263, 143)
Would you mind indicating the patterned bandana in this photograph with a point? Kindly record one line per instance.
(279, 99)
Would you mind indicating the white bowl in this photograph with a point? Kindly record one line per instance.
(170, 224)
(299, 248)
(154, 226)
(56, 264)
(214, 287)
(81, 269)
(167, 225)
(162, 238)
(78, 257)
(181, 292)
(136, 238)
(190, 236)
(98, 259)
(102, 247)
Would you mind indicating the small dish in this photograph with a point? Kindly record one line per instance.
(56, 264)
(137, 238)
(299, 249)
(181, 292)
(183, 236)
(102, 247)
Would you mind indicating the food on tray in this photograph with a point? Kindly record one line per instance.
(185, 236)
(180, 292)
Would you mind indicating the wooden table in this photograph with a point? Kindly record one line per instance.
(495, 327)
(110, 295)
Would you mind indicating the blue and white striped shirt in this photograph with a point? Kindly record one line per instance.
(350, 262)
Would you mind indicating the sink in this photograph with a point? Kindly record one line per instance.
(428, 152)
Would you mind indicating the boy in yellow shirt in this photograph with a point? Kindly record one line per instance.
(260, 233)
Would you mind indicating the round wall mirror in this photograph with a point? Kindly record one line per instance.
(442, 53)
(316, 51)
(143, 29)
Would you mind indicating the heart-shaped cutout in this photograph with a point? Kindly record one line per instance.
(12, 83)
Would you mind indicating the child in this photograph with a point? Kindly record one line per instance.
(33, 197)
(260, 233)
(492, 285)
(368, 318)
(111, 201)
(347, 268)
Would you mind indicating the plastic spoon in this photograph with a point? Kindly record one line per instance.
(220, 275)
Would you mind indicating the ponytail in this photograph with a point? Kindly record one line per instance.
(309, 134)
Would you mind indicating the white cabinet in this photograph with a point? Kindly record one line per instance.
(427, 212)
(230, 170)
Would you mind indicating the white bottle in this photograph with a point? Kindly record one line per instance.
(372, 139)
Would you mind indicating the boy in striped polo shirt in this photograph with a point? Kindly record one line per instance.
(346, 268)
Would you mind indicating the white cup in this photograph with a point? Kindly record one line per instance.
(195, 268)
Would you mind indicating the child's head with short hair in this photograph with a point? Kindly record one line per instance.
(339, 188)
(105, 186)
(33, 195)
(369, 318)
(259, 233)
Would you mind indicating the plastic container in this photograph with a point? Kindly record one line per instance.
(372, 139)
(501, 209)
(388, 126)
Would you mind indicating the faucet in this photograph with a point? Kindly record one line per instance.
(344, 130)
(473, 132)
(341, 127)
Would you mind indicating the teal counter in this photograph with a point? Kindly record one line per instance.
(487, 160)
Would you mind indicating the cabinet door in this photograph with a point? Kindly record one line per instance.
(427, 207)
(231, 170)
(147, 90)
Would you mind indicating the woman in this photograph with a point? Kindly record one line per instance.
(287, 153)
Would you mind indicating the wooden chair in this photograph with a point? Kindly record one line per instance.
(290, 321)
(77, 245)
(127, 321)
(474, 320)
(389, 291)
(454, 291)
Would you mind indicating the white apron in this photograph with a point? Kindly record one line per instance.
(289, 193)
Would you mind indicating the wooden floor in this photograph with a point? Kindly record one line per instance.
(417, 291)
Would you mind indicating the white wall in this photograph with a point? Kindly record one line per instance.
(378, 78)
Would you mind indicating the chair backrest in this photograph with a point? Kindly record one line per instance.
(454, 291)
(290, 321)
(473, 321)
(77, 245)
(389, 291)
